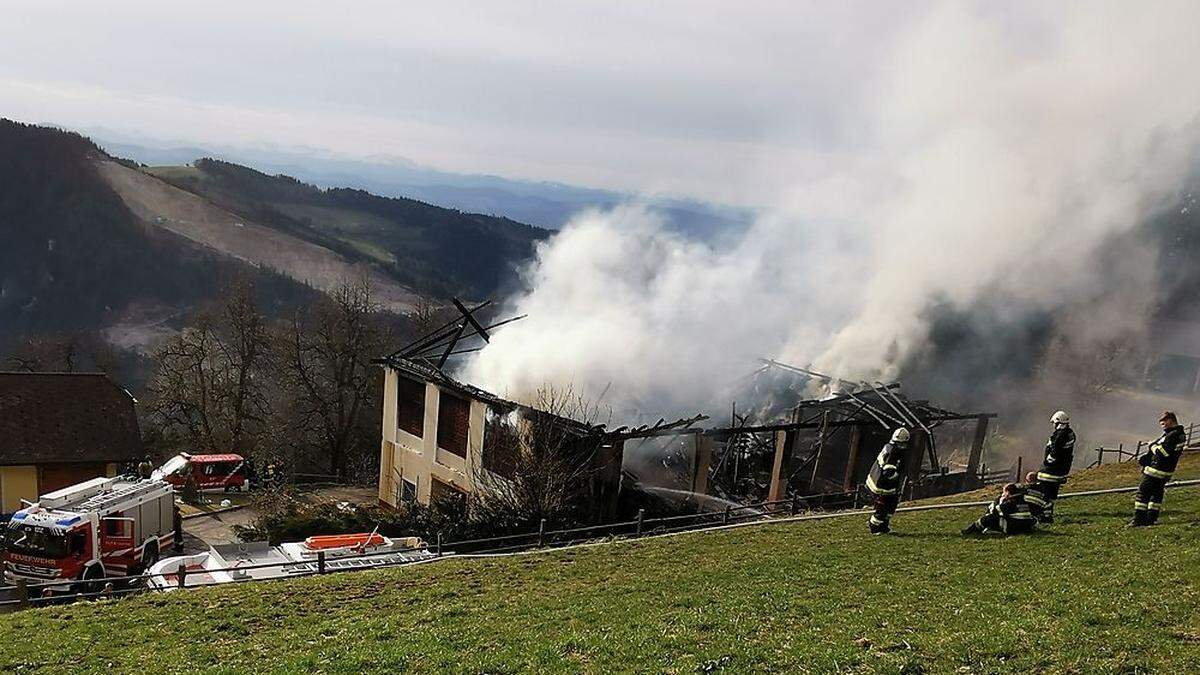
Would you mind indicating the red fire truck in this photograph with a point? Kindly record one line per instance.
(210, 472)
(98, 528)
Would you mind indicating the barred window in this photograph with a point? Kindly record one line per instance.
(408, 491)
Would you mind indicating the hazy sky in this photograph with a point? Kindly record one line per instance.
(730, 101)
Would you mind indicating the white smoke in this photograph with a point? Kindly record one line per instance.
(1003, 150)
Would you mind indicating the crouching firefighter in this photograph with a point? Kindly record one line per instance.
(1009, 514)
(884, 480)
(1157, 466)
(1060, 452)
(1033, 495)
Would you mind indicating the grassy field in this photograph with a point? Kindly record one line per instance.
(1085, 595)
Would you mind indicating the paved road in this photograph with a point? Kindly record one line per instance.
(201, 532)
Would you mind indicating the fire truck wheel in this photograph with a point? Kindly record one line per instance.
(149, 556)
(92, 579)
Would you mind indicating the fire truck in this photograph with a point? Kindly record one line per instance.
(85, 532)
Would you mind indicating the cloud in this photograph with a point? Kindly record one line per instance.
(678, 97)
(1001, 151)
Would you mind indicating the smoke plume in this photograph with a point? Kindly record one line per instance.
(1003, 152)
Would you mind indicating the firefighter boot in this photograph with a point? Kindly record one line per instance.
(1151, 516)
(878, 526)
(973, 528)
(1047, 516)
(1139, 519)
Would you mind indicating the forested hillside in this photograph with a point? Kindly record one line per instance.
(432, 249)
(72, 256)
(93, 245)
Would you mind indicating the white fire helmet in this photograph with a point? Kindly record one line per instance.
(900, 435)
(1060, 417)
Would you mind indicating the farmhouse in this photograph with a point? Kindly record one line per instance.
(58, 429)
(443, 438)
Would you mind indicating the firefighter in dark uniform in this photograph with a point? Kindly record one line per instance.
(1034, 496)
(884, 481)
(1060, 452)
(1158, 465)
(1009, 514)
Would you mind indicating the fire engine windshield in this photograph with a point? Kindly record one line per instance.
(35, 541)
(174, 465)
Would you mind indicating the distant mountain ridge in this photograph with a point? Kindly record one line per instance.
(539, 203)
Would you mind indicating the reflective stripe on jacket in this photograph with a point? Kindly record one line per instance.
(1060, 452)
(1165, 452)
(886, 473)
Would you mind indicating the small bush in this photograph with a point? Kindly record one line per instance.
(284, 517)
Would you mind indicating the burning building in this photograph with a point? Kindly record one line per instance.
(443, 438)
(818, 448)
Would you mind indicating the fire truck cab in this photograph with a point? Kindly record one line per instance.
(98, 528)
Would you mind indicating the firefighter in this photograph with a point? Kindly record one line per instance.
(145, 468)
(1158, 465)
(884, 481)
(1009, 514)
(1034, 496)
(1060, 451)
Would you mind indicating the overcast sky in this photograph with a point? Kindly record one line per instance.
(726, 101)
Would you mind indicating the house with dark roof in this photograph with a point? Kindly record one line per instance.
(58, 429)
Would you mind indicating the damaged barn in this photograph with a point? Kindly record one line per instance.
(825, 445)
(819, 449)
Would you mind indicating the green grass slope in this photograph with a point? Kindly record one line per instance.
(1085, 595)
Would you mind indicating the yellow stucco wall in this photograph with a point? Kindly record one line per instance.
(17, 483)
(404, 456)
(387, 446)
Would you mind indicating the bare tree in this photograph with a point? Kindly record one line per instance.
(211, 384)
(423, 316)
(326, 354)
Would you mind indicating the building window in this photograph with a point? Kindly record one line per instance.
(410, 406)
(454, 417)
(500, 449)
(443, 492)
(408, 491)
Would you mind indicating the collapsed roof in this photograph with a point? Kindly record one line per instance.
(424, 359)
(778, 386)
